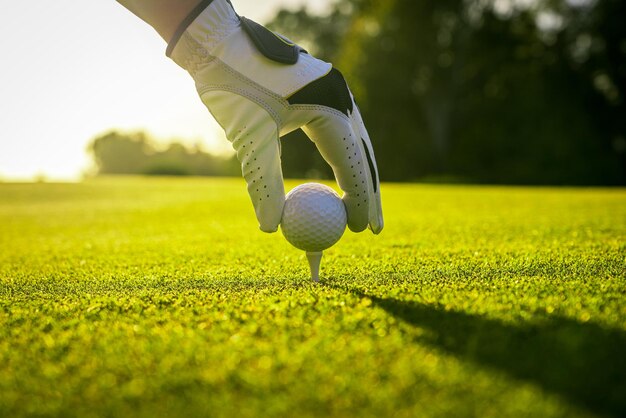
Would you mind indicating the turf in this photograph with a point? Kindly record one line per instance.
(160, 297)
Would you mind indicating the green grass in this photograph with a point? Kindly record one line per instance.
(160, 297)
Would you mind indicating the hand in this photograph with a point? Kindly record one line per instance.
(259, 87)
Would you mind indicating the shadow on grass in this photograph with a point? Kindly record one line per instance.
(580, 361)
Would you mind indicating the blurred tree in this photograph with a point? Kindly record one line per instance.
(407, 81)
(594, 42)
(136, 153)
(520, 116)
(118, 153)
(492, 90)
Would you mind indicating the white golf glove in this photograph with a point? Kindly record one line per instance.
(260, 86)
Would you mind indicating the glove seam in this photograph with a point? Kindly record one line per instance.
(240, 77)
(255, 87)
(253, 98)
(326, 109)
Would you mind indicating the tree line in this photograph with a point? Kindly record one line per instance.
(495, 91)
(486, 91)
(117, 152)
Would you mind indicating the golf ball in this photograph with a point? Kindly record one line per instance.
(314, 217)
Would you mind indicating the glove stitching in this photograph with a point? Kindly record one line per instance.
(320, 108)
(198, 57)
(240, 92)
(233, 72)
(256, 88)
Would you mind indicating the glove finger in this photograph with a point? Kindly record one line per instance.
(254, 135)
(340, 147)
(376, 222)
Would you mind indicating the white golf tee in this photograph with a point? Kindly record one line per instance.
(315, 259)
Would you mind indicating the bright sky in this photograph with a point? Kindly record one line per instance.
(71, 70)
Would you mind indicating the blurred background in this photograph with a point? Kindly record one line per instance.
(464, 91)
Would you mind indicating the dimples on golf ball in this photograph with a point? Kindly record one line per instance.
(314, 217)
